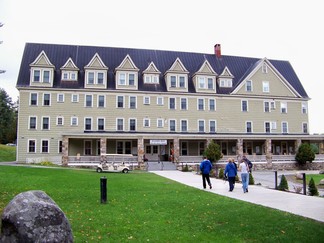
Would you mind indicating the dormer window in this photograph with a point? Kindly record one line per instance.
(151, 78)
(226, 83)
(95, 77)
(176, 77)
(42, 71)
(96, 73)
(126, 79)
(127, 74)
(225, 80)
(205, 79)
(69, 71)
(151, 74)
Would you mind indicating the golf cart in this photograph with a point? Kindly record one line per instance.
(113, 163)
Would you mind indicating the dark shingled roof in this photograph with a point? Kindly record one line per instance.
(112, 58)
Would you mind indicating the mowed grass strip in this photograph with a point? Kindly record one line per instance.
(143, 207)
(7, 153)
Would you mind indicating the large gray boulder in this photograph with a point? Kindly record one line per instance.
(33, 216)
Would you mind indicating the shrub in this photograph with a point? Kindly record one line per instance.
(221, 173)
(185, 168)
(251, 179)
(213, 152)
(283, 186)
(305, 153)
(312, 189)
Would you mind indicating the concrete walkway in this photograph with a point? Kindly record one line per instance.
(299, 204)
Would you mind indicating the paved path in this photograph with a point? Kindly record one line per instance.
(299, 204)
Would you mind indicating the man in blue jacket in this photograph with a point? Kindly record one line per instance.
(205, 168)
(230, 172)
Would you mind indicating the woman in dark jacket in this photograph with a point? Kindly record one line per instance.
(230, 173)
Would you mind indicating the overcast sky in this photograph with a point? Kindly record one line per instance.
(289, 30)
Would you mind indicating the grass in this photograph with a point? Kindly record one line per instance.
(144, 207)
(7, 153)
(316, 177)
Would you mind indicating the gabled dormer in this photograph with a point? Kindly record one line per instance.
(176, 78)
(205, 78)
(225, 79)
(69, 71)
(42, 71)
(263, 79)
(127, 74)
(95, 73)
(151, 74)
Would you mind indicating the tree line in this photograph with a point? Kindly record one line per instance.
(8, 118)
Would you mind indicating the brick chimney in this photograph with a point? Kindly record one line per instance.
(217, 49)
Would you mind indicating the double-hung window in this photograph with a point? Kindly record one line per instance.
(88, 101)
(101, 101)
(201, 104)
(101, 124)
(120, 101)
(184, 125)
(132, 124)
(33, 99)
(47, 100)
(87, 123)
(183, 103)
(46, 123)
(32, 122)
(244, 105)
(132, 102)
(172, 103)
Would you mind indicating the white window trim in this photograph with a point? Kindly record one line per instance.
(57, 119)
(175, 103)
(265, 86)
(187, 127)
(91, 119)
(209, 104)
(120, 118)
(104, 106)
(50, 99)
(104, 123)
(162, 122)
(246, 85)
(72, 95)
(246, 122)
(117, 101)
(85, 101)
(144, 122)
(58, 98)
(175, 125)
(129, 119)
(29, 123)
(201, 120)
(160, 98)
(282, 123)
(49, 123)
(247, 105)
(30, 98)
(186, 104)
(204, 108)
(210, 126)
(48, 146)
(148, 98)
(77, 121)
(129, 102)
(32, 139)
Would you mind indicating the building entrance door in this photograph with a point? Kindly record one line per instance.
(152, 152)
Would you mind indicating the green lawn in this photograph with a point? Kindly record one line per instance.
(144, 207)
(7, 153)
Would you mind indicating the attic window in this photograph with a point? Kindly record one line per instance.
(69, 75)
(41, 75)
(151, 78)
(226, 83)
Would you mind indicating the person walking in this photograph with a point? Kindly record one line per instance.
(205, 168)
(230, 172)
(244, 169)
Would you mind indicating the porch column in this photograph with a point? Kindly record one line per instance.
(297, 144)
(65, 151)
(268, 153)
(176, 149)
(140, 150)
(208, 141)
(239, 149)
(103, 147)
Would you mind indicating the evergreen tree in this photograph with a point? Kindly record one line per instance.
(251, 179)
(305, 153)
(312, 189)
(213, 152)
(283, 186)
(8, 119)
